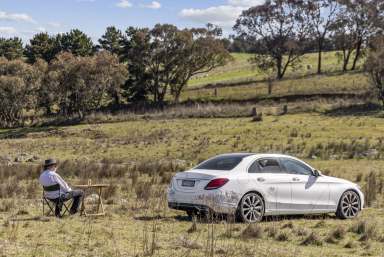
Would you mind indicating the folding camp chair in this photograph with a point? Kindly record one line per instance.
(55, 205)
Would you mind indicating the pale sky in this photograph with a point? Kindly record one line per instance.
(23, 18)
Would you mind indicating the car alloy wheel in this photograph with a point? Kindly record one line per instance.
(251, 208)
(349, 205)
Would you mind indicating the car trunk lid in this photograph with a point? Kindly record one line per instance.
(195, 180)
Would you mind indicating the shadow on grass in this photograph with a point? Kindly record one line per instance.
(23, 132)
(222, 217)
(368, 109)
(36, 218)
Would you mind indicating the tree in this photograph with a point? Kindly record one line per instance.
(281, 28)
(42, 46)
(11, 48)
(151, 57)
(374, 66)
(136, 48)
(199, 51)
(19, 83)
(76, 42)
(323, 13)
(161, 60)
(83, 84)
(344, 39)
(362, 13)
(353, 27)
(112, 40)
(165, 58)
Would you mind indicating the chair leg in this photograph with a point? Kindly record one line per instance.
(45, 201)
(66, 207)
(51, 208)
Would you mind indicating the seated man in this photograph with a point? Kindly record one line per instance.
(48, 178)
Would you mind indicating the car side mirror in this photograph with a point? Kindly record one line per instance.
(316, 173)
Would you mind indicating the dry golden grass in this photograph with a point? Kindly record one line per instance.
(139, 157)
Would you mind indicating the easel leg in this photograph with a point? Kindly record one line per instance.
(82, 208)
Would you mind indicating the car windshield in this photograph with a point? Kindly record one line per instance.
(222, 162)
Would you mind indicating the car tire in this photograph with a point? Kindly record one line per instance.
(251, 208)
(349, 205)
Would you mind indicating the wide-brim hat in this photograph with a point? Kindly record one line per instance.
(50, 162)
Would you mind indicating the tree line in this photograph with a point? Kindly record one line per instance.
(284, 30)
(68, 74)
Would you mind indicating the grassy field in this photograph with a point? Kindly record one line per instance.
(137, 156)
(341, 135)
(239, 80)
(240, 69)
(305, 134)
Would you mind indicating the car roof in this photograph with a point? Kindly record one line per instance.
(259, 155)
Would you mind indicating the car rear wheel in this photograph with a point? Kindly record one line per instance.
(251, 208)
(349, 205)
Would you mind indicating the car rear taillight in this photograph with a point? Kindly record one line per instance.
(216, 183)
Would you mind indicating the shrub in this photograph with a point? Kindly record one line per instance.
(338, 233)
(271, 231)
(252, 231)
(19, 83)
(370, 188)
(143, 191)
(312, 239)
(282, 236)
(80, 84)
(359, 227)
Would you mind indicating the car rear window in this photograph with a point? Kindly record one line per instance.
(222, 162)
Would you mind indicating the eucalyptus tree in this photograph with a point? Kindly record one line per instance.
(163, 59)
(323, 14)
(374, 66)
(281, 28)
(354, 26)
(200, 51)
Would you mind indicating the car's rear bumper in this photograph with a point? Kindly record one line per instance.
(189, 207)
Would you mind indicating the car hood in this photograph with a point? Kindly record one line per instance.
(338, 180)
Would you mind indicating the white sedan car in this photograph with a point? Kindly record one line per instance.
(256, 185)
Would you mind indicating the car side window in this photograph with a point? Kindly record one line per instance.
(295, 167)
(268, 165)
(254, 168)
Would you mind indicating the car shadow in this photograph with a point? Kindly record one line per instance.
(229, 219)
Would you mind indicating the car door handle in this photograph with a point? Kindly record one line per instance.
(261, 179)
(296, 179)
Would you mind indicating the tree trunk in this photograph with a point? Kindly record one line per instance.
(116, 99)
(381, 96)
(319, 60)
(357, 55)
(279, 64)
(347, 55)
(177, 98)
(176, 94)
(382, 102)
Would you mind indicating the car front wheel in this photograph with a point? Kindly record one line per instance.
(349, 205)
(251, 208)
